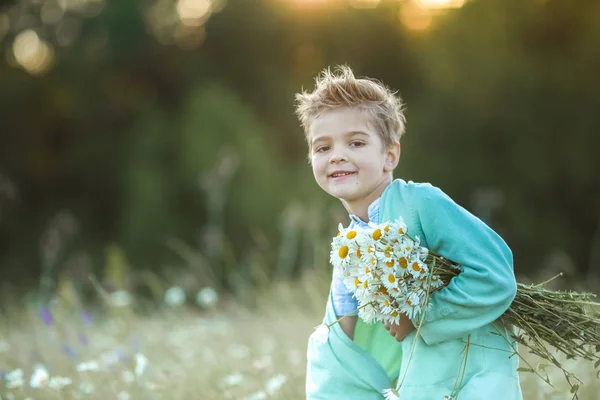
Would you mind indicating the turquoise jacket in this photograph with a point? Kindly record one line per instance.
(464, 312)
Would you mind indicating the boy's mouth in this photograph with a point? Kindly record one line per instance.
(341, 174)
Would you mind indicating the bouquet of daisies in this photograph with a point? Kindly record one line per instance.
(390, 273)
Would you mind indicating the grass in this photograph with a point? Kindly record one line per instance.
(229, 352)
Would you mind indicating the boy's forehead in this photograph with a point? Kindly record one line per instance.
(341, 122)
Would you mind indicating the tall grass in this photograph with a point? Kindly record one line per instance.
(250, 345)
(183, 352)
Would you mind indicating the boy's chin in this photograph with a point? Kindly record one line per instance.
(344, 195)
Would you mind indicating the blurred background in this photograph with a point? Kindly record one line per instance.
(153, 142)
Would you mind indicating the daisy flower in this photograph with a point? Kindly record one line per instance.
(423, 253)
(364, 289)
(399, 227)
(417, 268)
(436, 282)
(390, 280)
(391, 394)
(321, 334)
(368, 314)
(402, 262)
(394, 316)
(59, 382)
(385, 304)
(40, 377)
(388, 254)
(340, 255)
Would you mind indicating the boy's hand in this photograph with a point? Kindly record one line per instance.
(402, 329)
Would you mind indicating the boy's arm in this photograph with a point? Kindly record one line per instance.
(344, 303)
(348, 325)
(486, 287)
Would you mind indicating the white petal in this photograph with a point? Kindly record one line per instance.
(233, 379)
(175, 296)
(321, 334)
(141, 363)
(207, 297)
(391, 394)
(40, 377)
(274, 384)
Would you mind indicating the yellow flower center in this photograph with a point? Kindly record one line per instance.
(382, 290)
(386, 302)
(403, 262)
(394, 314)
(387, 228)
(390, 263)
(373, 261)
(343, 252)
(351, 235)
(400, 231)
(371, 249)
(366, 284)
(367, 270)
(388, 251)
(356, 282)
(358, 253)
(377, 234)
(416, 267)
(391, 278)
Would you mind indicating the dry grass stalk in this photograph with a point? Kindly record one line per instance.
(564, 320)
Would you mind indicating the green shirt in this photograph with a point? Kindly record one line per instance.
(465, 311)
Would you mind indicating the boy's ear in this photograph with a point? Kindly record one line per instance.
(392, 157)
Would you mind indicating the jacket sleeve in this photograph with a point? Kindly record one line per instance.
(484, 289)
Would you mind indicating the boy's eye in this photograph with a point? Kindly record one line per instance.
(321, 149)
(357, 144)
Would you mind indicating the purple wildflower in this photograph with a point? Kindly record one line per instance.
(87, 317)
(121, 354)
(46, 316)
(69, 351)
(83, 339)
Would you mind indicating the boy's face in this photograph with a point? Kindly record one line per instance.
(348, 157)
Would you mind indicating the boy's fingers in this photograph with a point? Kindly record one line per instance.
(387, 326)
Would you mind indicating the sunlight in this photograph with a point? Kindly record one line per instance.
(418, 15)
(429, 4)
(309, 2)
(364, 3)
(194, 12)
(32, 53)
(439, 4)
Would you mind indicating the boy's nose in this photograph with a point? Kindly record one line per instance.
(337, 157)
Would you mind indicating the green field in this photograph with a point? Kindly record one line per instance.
(228, 352)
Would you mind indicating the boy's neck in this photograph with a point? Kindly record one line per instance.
(360, 208)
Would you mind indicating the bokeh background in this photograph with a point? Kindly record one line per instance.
(153, 142)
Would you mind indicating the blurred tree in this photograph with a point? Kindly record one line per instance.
(518, 115)
(501, 105)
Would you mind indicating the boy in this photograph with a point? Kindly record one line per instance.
(353, 129)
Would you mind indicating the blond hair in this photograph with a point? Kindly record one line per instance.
(339, 88)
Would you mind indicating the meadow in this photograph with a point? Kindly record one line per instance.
(211, 348)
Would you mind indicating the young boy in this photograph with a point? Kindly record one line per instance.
(353, 129)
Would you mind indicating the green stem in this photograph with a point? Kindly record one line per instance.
(414, 343)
